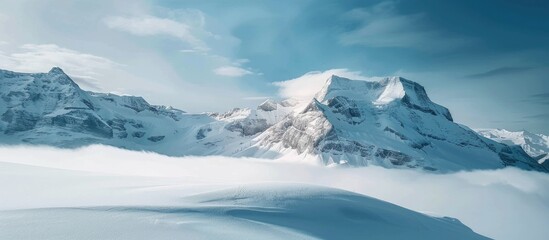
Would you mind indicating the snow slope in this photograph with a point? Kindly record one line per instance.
(44, 199)
(263, 211)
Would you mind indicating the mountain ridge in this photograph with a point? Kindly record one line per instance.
(391, 123)
(346, 124)
(536, 145)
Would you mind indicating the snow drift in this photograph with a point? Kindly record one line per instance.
(264, 211)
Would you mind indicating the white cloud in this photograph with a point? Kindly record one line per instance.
(150, 25)
(232, 71)
(42, 57)
(188, 51)
(305, 87)
(382, 26)
(502, 204)
(256, 98)
(241, 61)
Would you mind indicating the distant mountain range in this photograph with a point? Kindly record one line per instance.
(390, 123)
(536, 145)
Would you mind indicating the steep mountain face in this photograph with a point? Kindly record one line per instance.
(391, 123)
(536, 145)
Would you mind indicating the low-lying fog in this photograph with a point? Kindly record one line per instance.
(501, 204)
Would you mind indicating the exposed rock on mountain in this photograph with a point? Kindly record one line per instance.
(391, 123)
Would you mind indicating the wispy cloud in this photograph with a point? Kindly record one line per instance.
(509, 121)
(256, 98)
(188, 51)
(307, 85)
(539, 98)
(541, 116)
(150, 25)
(499, 72)
(242, 61)
(232, 71)
(88, 83)
(381, 26)
(42, 57)
(236, 70)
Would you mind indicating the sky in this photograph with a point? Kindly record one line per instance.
(487, 61)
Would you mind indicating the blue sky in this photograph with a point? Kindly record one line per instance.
(487, 61)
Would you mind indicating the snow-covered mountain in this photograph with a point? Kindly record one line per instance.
(391, 123)
(536, 145)
(49, 108)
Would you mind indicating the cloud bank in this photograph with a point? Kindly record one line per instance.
(501, 204)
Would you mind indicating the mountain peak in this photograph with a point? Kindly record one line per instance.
(335, 81)
(268, 105)
(336, 85)
(393, 89)
(387, 91)
(56, 70)
(57, 74)
(377, 92)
